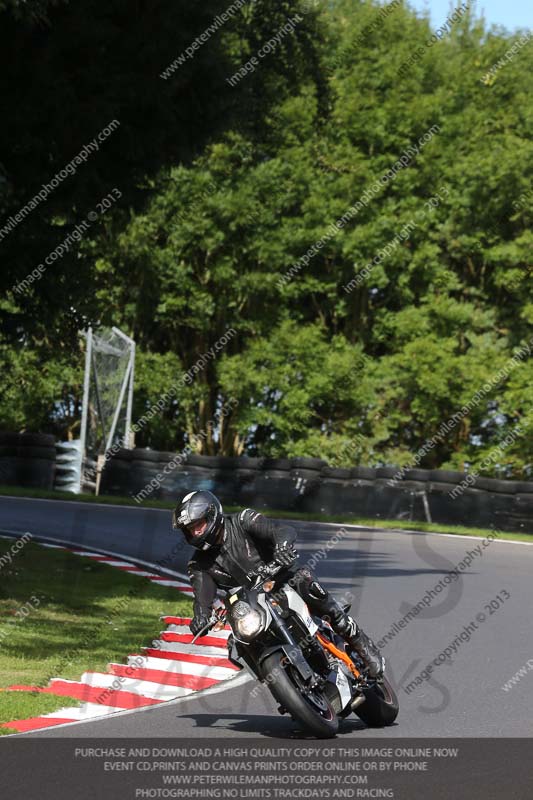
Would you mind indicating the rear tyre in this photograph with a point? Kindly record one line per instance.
(311, 709)
(380, 707)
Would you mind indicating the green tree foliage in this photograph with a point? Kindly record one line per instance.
(225, 188)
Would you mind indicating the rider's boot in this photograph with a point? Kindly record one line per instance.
(347, 627)
(324, 605)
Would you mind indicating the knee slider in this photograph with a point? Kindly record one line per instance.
(317, 592)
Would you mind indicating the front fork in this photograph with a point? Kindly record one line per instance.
(240, 655)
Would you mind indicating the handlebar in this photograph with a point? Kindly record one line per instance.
(216, 616)
(263, 573)
(257, 576)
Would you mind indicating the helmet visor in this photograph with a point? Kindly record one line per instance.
(196, 528)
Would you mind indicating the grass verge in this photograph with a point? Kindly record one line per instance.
(346, 519)
(61, 614)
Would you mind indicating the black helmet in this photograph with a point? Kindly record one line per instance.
(194, 507)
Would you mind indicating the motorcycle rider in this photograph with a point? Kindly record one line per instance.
(232, 546)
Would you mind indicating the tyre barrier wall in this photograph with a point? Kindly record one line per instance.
(310, 485)
(27, 459)
(297, 484)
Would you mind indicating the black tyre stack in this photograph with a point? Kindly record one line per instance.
(360, 497)
(230, 477)
(144, 466)
(391, 499)
(117, 474)
(522, 515)
(274, 485)
(246, 474)
(306, 474)
(199, 473)
(172, 471)
(335, 487)
(456, 510)
(27, 459)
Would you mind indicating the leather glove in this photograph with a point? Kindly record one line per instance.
(285, 554)
(198, 622)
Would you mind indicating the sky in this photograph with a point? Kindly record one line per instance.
(510, 13)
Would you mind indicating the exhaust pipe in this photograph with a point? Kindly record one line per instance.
(357, 701)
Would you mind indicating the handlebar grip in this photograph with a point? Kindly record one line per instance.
(265, 572)
(207, 627)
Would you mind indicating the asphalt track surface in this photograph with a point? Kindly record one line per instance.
(386, 572)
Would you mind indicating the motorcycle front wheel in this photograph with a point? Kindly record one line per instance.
(309, 707)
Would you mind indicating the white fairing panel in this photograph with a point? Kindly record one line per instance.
(300, 607)
(344, 688)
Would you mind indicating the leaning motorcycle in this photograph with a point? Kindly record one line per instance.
(304, 663)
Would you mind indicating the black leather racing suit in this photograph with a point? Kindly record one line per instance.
(249, 541)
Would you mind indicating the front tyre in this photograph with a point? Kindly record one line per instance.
(309, 707)
(381, 705)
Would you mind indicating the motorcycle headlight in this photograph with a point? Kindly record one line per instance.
(248, 622)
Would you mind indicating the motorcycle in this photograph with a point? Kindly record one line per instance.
(304, 663)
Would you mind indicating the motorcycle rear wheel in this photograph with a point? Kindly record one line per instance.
(313, 711)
